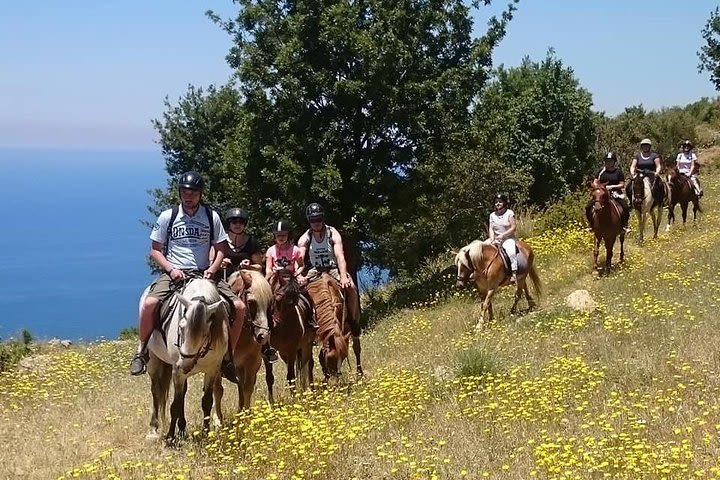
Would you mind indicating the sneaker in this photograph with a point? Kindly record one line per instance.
(228, 370)
(138, 364)
(270, 354)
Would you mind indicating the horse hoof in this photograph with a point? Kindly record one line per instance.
(153, 436)
(216, 421)
(479, 326)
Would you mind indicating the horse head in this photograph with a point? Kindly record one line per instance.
(599, 194)
(259, 304)
(467, 260)
(195, 335)
(638, 189)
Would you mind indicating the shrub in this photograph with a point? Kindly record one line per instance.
(477, 362)
(13, 350)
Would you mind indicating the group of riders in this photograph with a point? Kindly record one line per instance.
(191, 241)
(649, 164)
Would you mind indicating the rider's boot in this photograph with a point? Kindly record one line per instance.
(138, 364)
(228, 368)
(269, 353)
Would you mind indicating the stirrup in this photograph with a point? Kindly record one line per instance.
(138, 364)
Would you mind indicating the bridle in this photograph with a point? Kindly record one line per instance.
(203, 350)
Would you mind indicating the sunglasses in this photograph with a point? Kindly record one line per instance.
(316, 220)
(237, 220)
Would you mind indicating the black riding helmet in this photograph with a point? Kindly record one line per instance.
(502, 197)
(281, 226)
(191, 180)
(687, 143)
(236, 214)
(314, 211)
(611, 157)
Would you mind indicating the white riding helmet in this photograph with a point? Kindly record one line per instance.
(645, 141)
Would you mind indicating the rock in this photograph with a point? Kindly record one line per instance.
(53, 342)
(581, 301)
(65, 343)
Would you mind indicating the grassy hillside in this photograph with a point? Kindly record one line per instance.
(628, 391)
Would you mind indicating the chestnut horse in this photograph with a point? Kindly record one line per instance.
(335, 325)
(254, 288)
(682, 192)
(483, 262)
(291, 333)
(605, 219)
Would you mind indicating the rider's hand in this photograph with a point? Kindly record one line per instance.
(345, 281)
(245, 263)
(302, 280)
(226, 263)
(209, 274)
(177, 275)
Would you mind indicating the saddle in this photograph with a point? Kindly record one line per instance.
(521, 260)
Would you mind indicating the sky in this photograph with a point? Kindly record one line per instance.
(90, 74)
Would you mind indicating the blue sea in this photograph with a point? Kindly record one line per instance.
(73, 257)
(72, 260)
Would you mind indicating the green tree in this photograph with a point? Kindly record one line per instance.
(709, 53)
(538, 119)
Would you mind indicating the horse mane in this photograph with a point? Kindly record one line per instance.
(198, 310)
(257, 286)
(326, 301)
(475, 252)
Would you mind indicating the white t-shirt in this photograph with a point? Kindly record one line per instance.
(501, 223)
(684, 162)
(189, 246)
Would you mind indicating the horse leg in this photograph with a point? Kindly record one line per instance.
(207, 398)
(642, 218)
(160, 375)
(622, 246)
(596, 251)
(670, 217)
(485, 308)
(177, 408)
(218, 392)
(684, 208)
(609, 245)
(655, 217)
(357, 349)
(323, 363)
(518, 294)
(269, 381)
(249, 379)
(290, 363)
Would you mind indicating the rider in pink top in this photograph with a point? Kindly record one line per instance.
(284, 254)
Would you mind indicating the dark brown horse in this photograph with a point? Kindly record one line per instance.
(335, 325)
(291, 334)
(605, 219)
(483, 262)
(682, 192)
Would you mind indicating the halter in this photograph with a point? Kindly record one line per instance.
(472, 267)
(202, 351)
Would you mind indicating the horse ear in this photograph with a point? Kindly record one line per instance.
(183, 300)
(214, 306)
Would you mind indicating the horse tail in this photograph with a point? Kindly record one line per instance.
(535, 283)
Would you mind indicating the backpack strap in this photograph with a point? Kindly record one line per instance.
(173, 216)
(211, 221)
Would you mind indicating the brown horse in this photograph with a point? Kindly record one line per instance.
(605, 219)
(247, 358)
(335, 325)
(682, 192)
(291, 334)
(483, 262)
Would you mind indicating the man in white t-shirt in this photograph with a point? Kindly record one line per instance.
(182, 250)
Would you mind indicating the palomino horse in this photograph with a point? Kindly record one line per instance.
(247, 358)
(193, 339)
(605, 218)
(645, 202)
(291, 334)
(336, 324)
(682, 192)
(484, 263)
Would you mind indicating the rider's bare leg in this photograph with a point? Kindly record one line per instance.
(146, 325)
